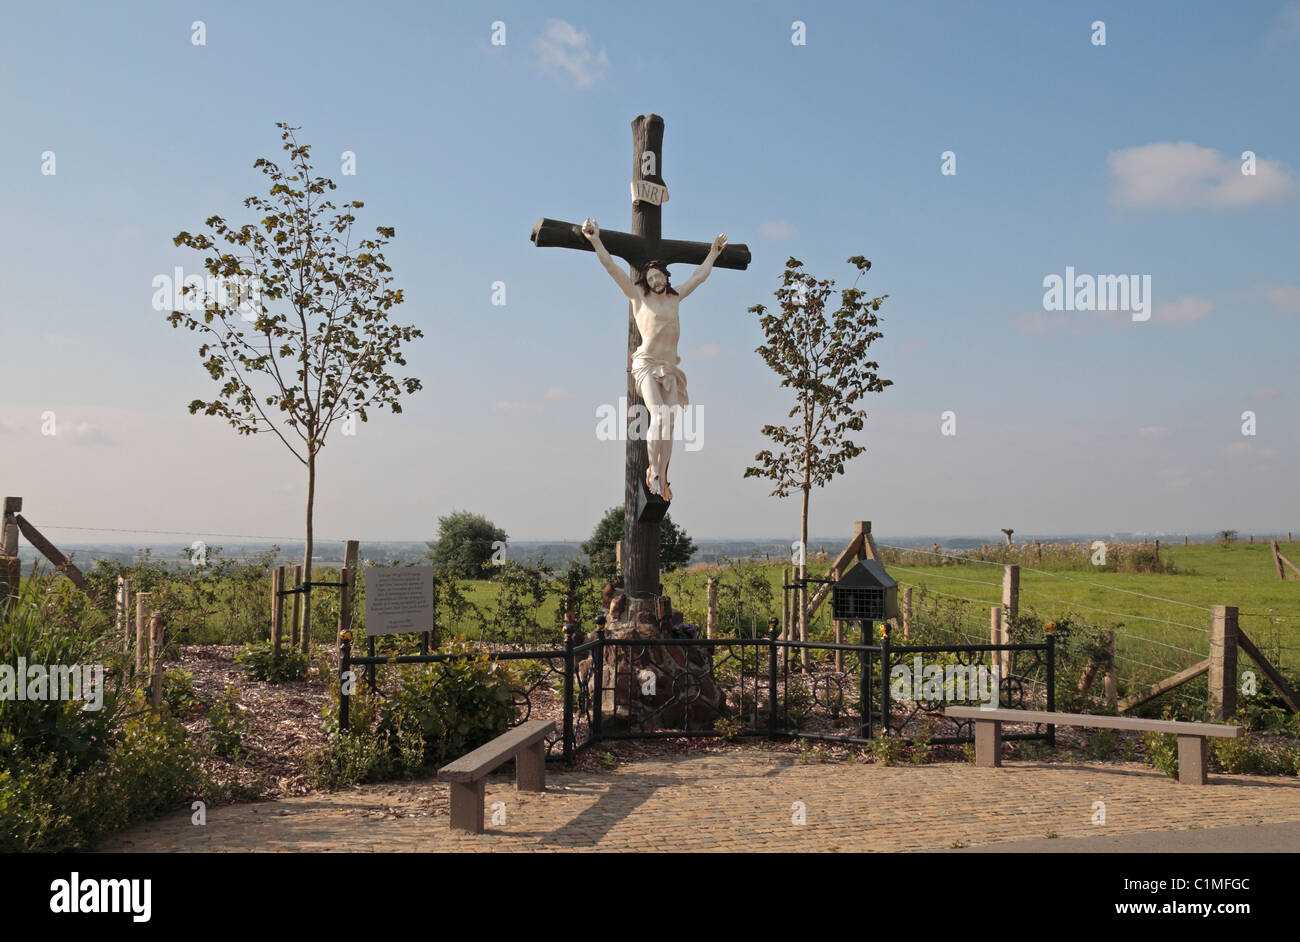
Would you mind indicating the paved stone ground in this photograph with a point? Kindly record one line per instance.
(746, 802)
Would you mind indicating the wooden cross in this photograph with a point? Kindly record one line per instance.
(641, 511)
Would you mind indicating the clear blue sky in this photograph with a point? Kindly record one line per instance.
(1115, 159)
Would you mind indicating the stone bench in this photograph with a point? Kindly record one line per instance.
(1191, 736)
(466, 776)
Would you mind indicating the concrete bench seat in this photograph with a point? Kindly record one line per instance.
(1191, 736)
(466, 776)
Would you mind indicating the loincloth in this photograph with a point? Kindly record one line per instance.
(667, 376)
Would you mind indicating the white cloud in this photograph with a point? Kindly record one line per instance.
(563, 51)
(556, 393)
(777, 229)
(1182, 311)
(85, 433)
(1284, 298)
(1181, 175)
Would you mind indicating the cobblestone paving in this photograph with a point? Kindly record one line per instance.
(741, 803)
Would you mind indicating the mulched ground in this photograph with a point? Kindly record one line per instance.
(283, 720)
(283, 725)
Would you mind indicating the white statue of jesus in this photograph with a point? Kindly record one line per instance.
(654, 364)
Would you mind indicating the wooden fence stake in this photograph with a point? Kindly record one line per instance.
(907, 612)
(345, 600)
(999, 658)
(11, 569)
(1111, 684)
(1010, 612)
(785, 604)
(1277, 562)
(711, 614)
(141, 600)
(277, 609)
(347, 587)
(1223, 661)
(155, 659)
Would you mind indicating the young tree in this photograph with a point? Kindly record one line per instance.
(465, 544)
(822, 356)
(306, 339)
(675, 546)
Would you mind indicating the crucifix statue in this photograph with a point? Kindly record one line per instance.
(654, 378)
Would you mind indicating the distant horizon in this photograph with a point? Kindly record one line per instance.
(1070, 409)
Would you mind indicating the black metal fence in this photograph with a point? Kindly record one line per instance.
(647, 688)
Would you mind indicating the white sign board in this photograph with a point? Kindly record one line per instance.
(399, 599)
(645, 191)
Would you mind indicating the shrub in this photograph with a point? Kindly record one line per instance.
(260, 662)
(458, 704)
(887, 749)
(51, 805)
(922, 743)
(228, 725)
(1100, 743)
(43, 626)
(436, 713)
(178, 694)
(1162, 752)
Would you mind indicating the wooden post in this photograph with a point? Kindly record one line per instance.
(1010, 612)
(1110, 684)
(999, 658)
(277, 609)
(1157, 553)
(785, 604)
(1223, 661)
(711, 615)
(802, 612)
(141, 600)
(907, 612)
(1277, 561)
(295, 625)
(119, 613)
(155, 659)
(618, 556)
(11, 569)
(839, 632)
(348, 581)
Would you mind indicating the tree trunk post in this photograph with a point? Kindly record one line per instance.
(309, 546)
(155, 659)
(141, 600)
(277, 609)
(1223, 661)
(295, 623)
(907, 612)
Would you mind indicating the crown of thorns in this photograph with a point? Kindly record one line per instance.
(661, 266)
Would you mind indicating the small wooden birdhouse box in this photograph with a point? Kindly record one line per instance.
(865, 592)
